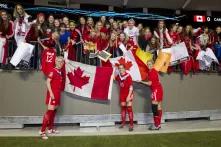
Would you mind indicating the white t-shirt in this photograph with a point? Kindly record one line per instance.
(134, 33)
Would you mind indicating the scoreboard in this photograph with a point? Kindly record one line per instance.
(203, 18)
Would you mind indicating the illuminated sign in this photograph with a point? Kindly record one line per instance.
(213, 19)
(199, 18)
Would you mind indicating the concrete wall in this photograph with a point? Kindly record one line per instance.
(23, 94)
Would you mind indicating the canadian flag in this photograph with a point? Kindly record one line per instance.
(88, 81)
(199, 18)
(135, 67)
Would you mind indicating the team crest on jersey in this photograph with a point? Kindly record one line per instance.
(121, 84)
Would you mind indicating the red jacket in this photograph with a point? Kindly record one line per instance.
(85, 32)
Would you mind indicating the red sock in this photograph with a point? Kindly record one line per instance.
(131, 115)
(51, 124)
(160, 116)
(156, 120)
(123, 115)
(46, 120)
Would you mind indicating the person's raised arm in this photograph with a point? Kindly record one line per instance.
(39, 41)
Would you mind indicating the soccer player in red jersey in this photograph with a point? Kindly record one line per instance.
(126, 95)
(156, 95)
(48, 55)
(54, 89)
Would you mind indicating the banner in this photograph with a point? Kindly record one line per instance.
(23, 52)
(162, 62)
(206, 58)
(144, 56)
(135, 66)
(89, 81)
(178, 53)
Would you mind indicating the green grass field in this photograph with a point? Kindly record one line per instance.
(196, 139)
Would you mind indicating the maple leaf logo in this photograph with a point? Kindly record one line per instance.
(127, 64)
(77, 79)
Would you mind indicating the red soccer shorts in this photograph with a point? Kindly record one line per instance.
(157, 94)
(55, 101)
(124, 99)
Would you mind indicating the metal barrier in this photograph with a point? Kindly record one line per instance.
(81, 56)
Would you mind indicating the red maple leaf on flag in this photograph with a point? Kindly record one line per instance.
(77, 79)
(127, 64)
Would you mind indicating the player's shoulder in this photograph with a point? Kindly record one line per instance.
(155, 71)
(117, 77)
(53, 70)
(150, 71)
(50, 74)
(128, 76)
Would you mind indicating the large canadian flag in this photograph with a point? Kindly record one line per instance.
(199, 18)
(89, 81)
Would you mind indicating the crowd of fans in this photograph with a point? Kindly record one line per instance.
(69, 36)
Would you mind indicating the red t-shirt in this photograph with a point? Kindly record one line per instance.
(101, 43)
(56, 86)
(153, 77)
(125, 83)
(48, 60)
(175, 37)
(75, 35)
(85, 32)
(56, 81)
